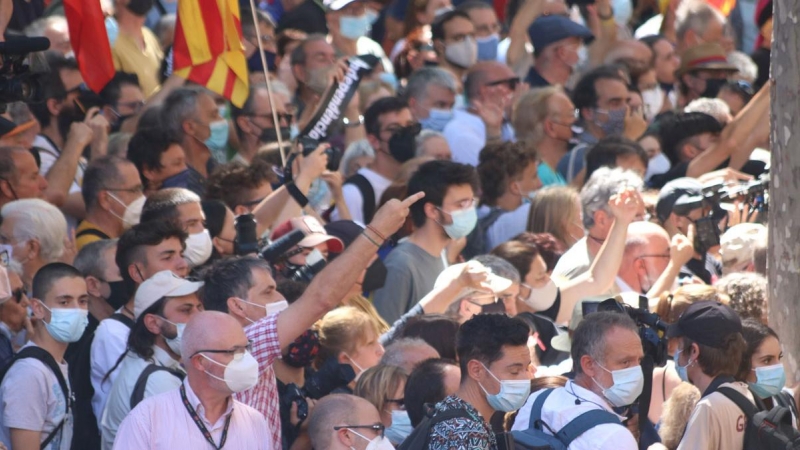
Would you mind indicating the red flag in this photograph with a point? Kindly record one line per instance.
(87, 31)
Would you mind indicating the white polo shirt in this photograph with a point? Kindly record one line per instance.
(716, 422)
(565, 404)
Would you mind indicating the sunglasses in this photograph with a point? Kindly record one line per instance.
(377, 427)
(17, 294)
(511, 82)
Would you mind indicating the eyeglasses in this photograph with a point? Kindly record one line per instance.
(135, 106)
(237, 351)
(414, 128)
(511, 82)
(463, 204)
(377, 427)
(397, 401)
(79, 88)
(282, 117)
(741, 87)
(17, 294)
(654, 256)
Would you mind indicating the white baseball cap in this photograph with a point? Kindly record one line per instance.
(163, 284)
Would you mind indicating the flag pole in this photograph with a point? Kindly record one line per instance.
(275, 120)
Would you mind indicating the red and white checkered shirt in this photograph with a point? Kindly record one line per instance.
(264, 396)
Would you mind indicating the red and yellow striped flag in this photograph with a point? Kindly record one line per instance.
(208, 47)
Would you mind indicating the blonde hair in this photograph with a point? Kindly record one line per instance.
(530, 112)
(362, 303)
(672, 305)
(379, 383)
(342, 330)
(551, 211)
(677, 411)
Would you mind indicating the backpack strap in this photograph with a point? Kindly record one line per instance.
(535, 420)
(747, 407)
(141, 383)
(47, 359)
(367, 193)
(92, 232)
(584, 423)
(119, 317)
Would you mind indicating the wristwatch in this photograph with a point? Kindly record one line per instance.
(353, 123)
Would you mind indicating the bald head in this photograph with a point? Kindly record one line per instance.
(633, 53)
(335, 410)
(646, 255)
(228, 333)
(647, 237)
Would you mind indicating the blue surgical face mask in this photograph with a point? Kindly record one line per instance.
(769, 380)
(389, 78)
(512, 395)
(628, 384)
(180, 179)
(372, 16)
(684, 376)
(623, 10)
(67, 324)
(487, 47)
(400, 428)
(293, 131)
(112, 29)
(437, 119)
(464, 221)
(219, 135)
(657, 165)
(354, 27)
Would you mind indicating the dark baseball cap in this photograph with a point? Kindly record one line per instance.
(549, 29)
(707, 322)
(678, 191)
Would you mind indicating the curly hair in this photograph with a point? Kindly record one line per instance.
(748, 293)
(500, 163)
(231, 182)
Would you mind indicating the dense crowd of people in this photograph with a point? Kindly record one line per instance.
(181, 271)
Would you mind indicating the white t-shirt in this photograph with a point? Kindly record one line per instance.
(366, 46)
(118, 405)
(353, 198)
(48, 154)
(507, 226)
(716, 422)
(32, 399)
(565, 404)
(110, 341)
(577, 261)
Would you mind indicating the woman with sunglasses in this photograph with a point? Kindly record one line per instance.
(384, 387)
(14, 321)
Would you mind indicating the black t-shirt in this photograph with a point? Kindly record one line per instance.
(707, 269)
(761, 58)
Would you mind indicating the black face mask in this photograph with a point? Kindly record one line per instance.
(119, 294)
(375, 277)
(69, 113)
(712, 88)
(402, 144)
(303, 350)
(269, 135)
(254, 62)
(140, 7)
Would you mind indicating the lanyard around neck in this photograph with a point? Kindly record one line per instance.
(200, 424)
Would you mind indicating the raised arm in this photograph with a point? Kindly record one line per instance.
(735, 137)
(329, 287)
(600, 277)
(518, 32)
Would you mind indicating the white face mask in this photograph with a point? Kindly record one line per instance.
(623, 10)
(198, 248)
(271, 308)
(379, 443)
(174, 344)
(653, 100)
(240, 374)
(628, 384)
(657, 165)
(463, 53)
(133, 211)
(543, 297)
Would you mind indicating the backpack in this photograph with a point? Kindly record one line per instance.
(367, 193)
(141, 383)
(476, 239)
(766, 430)
(47, 359)
(535, 436)
(418, 439)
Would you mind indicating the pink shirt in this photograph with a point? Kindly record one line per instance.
(264, 396)
(163, 422)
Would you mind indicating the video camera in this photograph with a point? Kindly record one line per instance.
(754, 195)
(18, 82)
(246, 243)
(652, 330)
(330, 376)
